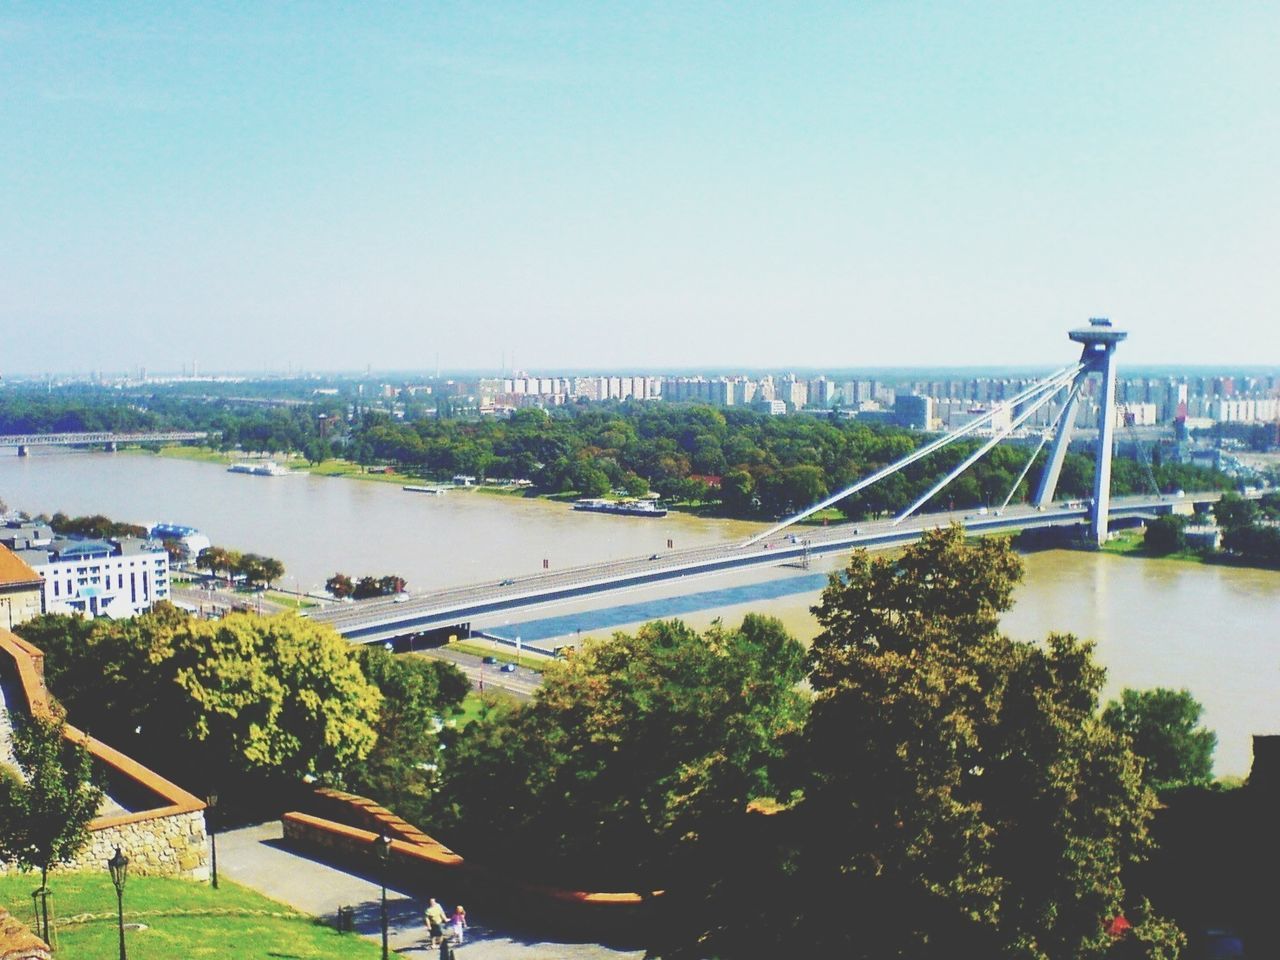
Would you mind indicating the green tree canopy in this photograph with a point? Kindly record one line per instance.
(630, 750)
(962, 797)
(279, 693)
(1164, 729)
(401, 770)
(1166, 535)
(248, 698)
(340, 585)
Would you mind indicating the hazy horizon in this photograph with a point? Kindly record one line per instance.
(624, 188)
(933, 372)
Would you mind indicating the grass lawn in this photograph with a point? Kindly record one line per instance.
(345, 468)
(183, 452)
(477, 705)
(229, 922)
(494, 491)
(290, 600)
(1130, 543)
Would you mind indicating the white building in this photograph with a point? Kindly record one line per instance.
(112, 578)
(1135, 415)
(1245, 411)
(192, 540)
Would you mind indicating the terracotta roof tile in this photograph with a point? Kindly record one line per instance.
(14, 570)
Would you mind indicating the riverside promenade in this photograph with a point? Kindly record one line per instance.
(256, 857)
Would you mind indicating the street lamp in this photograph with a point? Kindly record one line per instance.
(119, 868)
(383, 850)
(211, 802)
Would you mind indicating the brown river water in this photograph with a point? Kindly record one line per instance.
(1211, 629)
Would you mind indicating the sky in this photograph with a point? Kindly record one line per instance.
(612, 185)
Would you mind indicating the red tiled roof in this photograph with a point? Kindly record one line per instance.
(14, 570)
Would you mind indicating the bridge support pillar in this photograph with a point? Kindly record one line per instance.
(22, 450)
(111, 447)
(1101, 511)
(1053, 467)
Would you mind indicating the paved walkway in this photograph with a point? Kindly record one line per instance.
(257, 858)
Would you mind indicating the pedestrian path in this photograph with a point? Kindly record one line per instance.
(257, 858)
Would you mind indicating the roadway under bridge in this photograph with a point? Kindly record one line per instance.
(384, 619)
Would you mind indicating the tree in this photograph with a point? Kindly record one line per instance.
(630, 753)
(367, 587)
(45, 812)
(248, 701)
(590, 480)
(1166, 535)
(736, 490)
(961, 795)
(401, 769)
(177, 551)
(257, 569)
(340, 585)
(391, 585)
(280, 693)
(215, 559)
(1233, 512)
(1163, 726)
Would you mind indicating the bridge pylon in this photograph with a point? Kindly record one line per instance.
(1098, 356)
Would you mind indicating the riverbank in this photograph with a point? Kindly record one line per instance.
(1131, 543)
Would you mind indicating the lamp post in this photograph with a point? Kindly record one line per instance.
(383, 850)
(211, 803)
(119, 868)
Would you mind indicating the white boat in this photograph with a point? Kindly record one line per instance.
(626, 508)
(433, 491)
(268, 468)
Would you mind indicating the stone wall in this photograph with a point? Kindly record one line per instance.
(172, 846)
(165, 837)
(17, 942)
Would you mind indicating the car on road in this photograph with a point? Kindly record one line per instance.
(400, 598)
(653, 556)
(506, 583)
(508, 668)
(490, 658)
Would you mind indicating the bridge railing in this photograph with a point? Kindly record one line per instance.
(97, 436)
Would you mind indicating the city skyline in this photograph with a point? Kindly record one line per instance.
(659, 187)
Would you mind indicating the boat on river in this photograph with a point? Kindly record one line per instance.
(625, 508)
(268, 468)
(432, 491)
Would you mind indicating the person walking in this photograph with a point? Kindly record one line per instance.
(459, 922)
(436, 920)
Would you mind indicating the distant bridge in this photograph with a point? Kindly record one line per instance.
(106, 438)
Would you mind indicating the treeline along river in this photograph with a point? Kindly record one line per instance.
(1212, 629)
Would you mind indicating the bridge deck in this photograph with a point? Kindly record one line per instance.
(99, 436)
(385, 618)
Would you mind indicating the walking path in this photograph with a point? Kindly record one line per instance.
(257, 858)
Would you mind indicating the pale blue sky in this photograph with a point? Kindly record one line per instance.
(616, 184)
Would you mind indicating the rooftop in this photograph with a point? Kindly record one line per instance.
(14, 570)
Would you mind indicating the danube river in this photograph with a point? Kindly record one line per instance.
(1210, 629)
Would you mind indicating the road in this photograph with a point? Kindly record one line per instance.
(522, 682)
